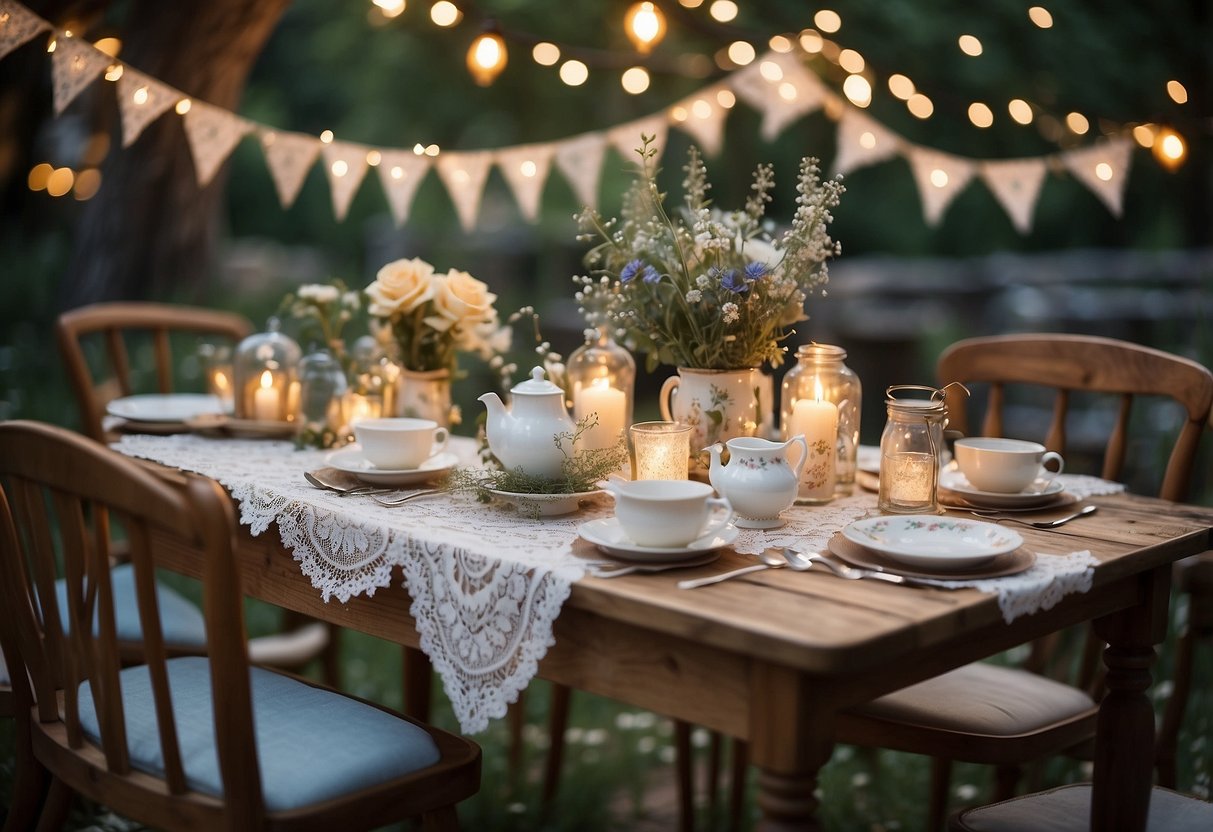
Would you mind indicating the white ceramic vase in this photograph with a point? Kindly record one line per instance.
(718, 405)
(424, 394)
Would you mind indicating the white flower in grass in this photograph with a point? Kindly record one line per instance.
(729, 313)
(694, 296)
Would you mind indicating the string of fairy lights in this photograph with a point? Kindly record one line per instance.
(646, 25)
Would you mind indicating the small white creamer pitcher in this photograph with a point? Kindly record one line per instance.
(759, 481)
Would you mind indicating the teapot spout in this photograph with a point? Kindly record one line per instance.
(716, 467)
(494, 405)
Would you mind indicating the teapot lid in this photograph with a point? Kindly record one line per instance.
(537, 385)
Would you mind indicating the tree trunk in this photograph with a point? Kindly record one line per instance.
(151, 231)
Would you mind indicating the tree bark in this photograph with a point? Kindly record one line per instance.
(151, 231)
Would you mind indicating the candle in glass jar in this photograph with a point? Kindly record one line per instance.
(661, 450)
(818, 421)
(610, 405)
(266, 399)
(221, 386)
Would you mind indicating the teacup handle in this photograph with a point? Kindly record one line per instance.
(441, 435)
(1052, 456)
(804, 454)
(717, 525)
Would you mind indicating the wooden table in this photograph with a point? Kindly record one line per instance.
(770, 658)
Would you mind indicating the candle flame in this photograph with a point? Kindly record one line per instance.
(817, 391)
(267, 380)
(601, 383)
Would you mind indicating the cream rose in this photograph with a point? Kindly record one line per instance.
(401, 286)
(459, 298)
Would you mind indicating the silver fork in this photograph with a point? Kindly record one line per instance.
(1036, 524)
(802, 560)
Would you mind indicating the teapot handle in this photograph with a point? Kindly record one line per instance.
(669, 389)
(804, 454)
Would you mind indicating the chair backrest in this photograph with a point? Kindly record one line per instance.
(1066, 364)
(119, 326)
(62, 497)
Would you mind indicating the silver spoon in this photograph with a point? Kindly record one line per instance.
(770, 560)
(322, 480)
(392, 502)
(1038, 524)
(804, 560)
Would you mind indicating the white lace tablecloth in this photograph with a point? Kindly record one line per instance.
(486, 582)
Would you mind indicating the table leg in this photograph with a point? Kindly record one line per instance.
(791, 739)
(1124, 740)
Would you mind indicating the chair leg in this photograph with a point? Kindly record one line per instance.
(54, 810)
(1006, 779)
(330, 658)
(30, 784)
(937, 799)
(441, 820)
(713, 773)
(418, 679)
(684, 765)
(1168, 733)
(558, 721)
(737, 783)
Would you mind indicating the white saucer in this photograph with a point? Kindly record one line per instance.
(547, 505)
(933, 542)
(1038, 493)
(164, 407)
(607, 535)
(351, 460)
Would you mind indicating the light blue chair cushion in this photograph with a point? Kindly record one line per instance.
(312, 744)
(180, 619)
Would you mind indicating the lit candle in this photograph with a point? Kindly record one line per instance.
(610, 405)
(266, 399)
(908, 479)
(818, 421)
(221, 386)
(359, 407)
(661, 450)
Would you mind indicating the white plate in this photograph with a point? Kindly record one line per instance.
(164, 407)
(1038, 493)
(932, 541)
(351, 460)
(607, 535)
(547, 505)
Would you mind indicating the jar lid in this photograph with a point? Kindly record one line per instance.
(536, 385)
(821, 352)
(897, 397)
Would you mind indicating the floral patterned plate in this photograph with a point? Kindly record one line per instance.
(933, 542)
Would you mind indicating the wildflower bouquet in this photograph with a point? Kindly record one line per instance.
(706, 289)
(323, 310)
(430, 318)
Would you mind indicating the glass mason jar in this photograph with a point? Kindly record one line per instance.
(820, 378)
(602, 378)
(265, 371)
(322, 388)
(910, 450)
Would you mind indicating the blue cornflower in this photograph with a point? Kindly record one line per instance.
(755, 270)
(734, 282)
(630, 271)
(650, 275)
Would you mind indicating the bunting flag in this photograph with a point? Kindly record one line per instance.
(778, 85)
(74, 65)
(345, 163)
(626, 138)
(400, 172)
(580, 160)
(1104, 169)
(289, 156)
(863, 141)
(18, 26)
(213, 134)
(141, 100)
(940, 177)
(702, 118)
(1016, 185)
(525, 169)
(464, 175)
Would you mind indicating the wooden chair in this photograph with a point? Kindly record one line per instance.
(187, 742)
(97, 343)
(1068, 808)
(1004, 716)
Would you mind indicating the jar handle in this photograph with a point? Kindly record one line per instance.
(665, 400)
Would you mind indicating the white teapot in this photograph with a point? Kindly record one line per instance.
(758, 482)
(524, 435)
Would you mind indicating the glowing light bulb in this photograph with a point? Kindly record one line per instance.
(644, 25)
(741, 53)
(780, 43)
(528, 169)
(110, 46)
(1020, 110)
(980, 114)
(373, 158)
(920, 106)
(857, 90)
(901, 86)
(1177, 91)
(327, 137)
(939, 178)
(635, 80)
(183, 106)
(113, 72)
(811, 41)
(851, 61)
(139, 96)
(545, 54)
(340, 168)
(487, 57)
(60, 181)
(574, 73)
(389, 8)
(970, 45)
(867, 140)
(771, 71)
(827, 20)
(1144, 134)
(445, 13)
(1041, 17)
(726, 99)
(38, 176)
(1077, 123)
(1104, 171)
(1170, 149)
(723, 11)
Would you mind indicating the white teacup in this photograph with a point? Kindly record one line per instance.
(1005, 466)
(667, 513)
(399, 444)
